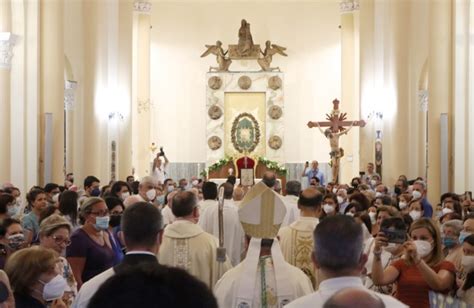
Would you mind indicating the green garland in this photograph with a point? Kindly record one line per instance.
(270, 164)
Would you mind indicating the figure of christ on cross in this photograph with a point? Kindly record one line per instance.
(336, 122)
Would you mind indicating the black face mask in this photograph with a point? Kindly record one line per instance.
(115, 220)
(398, 190)
(355, 184)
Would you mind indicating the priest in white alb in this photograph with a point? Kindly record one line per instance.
(233, 232)
(186, 245)
(263, 279)
(296, 240)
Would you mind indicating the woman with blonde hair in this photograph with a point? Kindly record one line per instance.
(35, 279)
(421, 269)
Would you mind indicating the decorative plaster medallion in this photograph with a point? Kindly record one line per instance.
(214, 112)
(214, 143)
(245, 82)
(245, 133)
(274, 83)
(275, 142)
(347, 6)
(275, 112)
(214, 82)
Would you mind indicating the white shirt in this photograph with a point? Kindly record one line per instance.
(330, 286)
(168, 216)
(160, 173)
(292, 211)
(203, 204)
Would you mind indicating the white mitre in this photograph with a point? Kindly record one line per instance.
(261, 213)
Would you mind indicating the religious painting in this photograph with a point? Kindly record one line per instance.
(244, 123)
(247, 177)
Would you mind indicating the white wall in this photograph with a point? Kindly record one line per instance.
(178, 84)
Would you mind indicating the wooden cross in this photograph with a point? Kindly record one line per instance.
(336, 120)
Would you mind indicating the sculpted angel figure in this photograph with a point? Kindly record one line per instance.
(270, 50)
(222, 61)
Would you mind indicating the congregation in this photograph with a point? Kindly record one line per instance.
(158, 243)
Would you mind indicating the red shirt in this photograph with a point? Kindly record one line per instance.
(412, 289)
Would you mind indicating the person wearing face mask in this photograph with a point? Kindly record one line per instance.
(466, 290)
(52, 192)
(419, 194)
(160, 168)
(54, 234)
(451, 207)
(146, 192)
(330, 206)
(116, 209)
(8, 206)
(415, 210)
(342, 199)
(450, 232)
(91, 187)
(11, 238)
(390, 253)
(90, 252)
(421, 269)
(35, 278)
(403, 202)
(121, 190)
(30, 222)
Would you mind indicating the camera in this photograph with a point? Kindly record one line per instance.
(162, 153)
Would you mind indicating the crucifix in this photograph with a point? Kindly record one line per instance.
(335, 123)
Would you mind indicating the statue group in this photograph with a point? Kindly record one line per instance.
(245, 49)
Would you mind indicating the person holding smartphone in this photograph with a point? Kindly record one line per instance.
(159, 171)
(421, 269)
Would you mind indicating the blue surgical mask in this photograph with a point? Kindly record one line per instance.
(463, 235)
(102, 223)
(160, 199)
(449, 242)
(95, 192)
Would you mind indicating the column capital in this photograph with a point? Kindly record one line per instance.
(142, 6)
(7, 41)
(348, 6)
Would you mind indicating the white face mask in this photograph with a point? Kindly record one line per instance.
(416, 194)
(392, 247)
(328, 209)
(446, 211)
(340, 199)
(55, 198)
(350, 214)
(334, 190)
(195, 182)
(125, 195)
(378, 194)
(468, 263)
(151, 194)
(373, 182)
(415, 215)
(423, 248)
(373, 218)
(402, 205)
(54, 289)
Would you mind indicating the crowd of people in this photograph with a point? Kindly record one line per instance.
(192, 243)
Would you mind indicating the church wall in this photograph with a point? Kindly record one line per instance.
(178, 84)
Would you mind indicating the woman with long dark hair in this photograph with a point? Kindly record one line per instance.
(68, 207)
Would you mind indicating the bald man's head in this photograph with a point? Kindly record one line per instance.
(269, 178)
(354, 298)
(310, 198)
(238, 194)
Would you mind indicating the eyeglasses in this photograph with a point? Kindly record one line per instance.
(101, 213)
(60, 240)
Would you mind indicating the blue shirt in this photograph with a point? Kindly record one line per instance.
(427, 208)
(311, 173)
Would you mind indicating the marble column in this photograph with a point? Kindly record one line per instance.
(440, 90)
(142, 105)
(350, 86)
(6, 45)
(52, 87)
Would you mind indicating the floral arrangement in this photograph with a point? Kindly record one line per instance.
(270, 164)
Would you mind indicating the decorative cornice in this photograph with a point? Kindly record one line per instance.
(142, 6)
(7, 41)
(348, 6)
(69, 94)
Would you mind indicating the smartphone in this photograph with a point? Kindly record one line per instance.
(395, 236)
(468, 195)
(361, 173)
